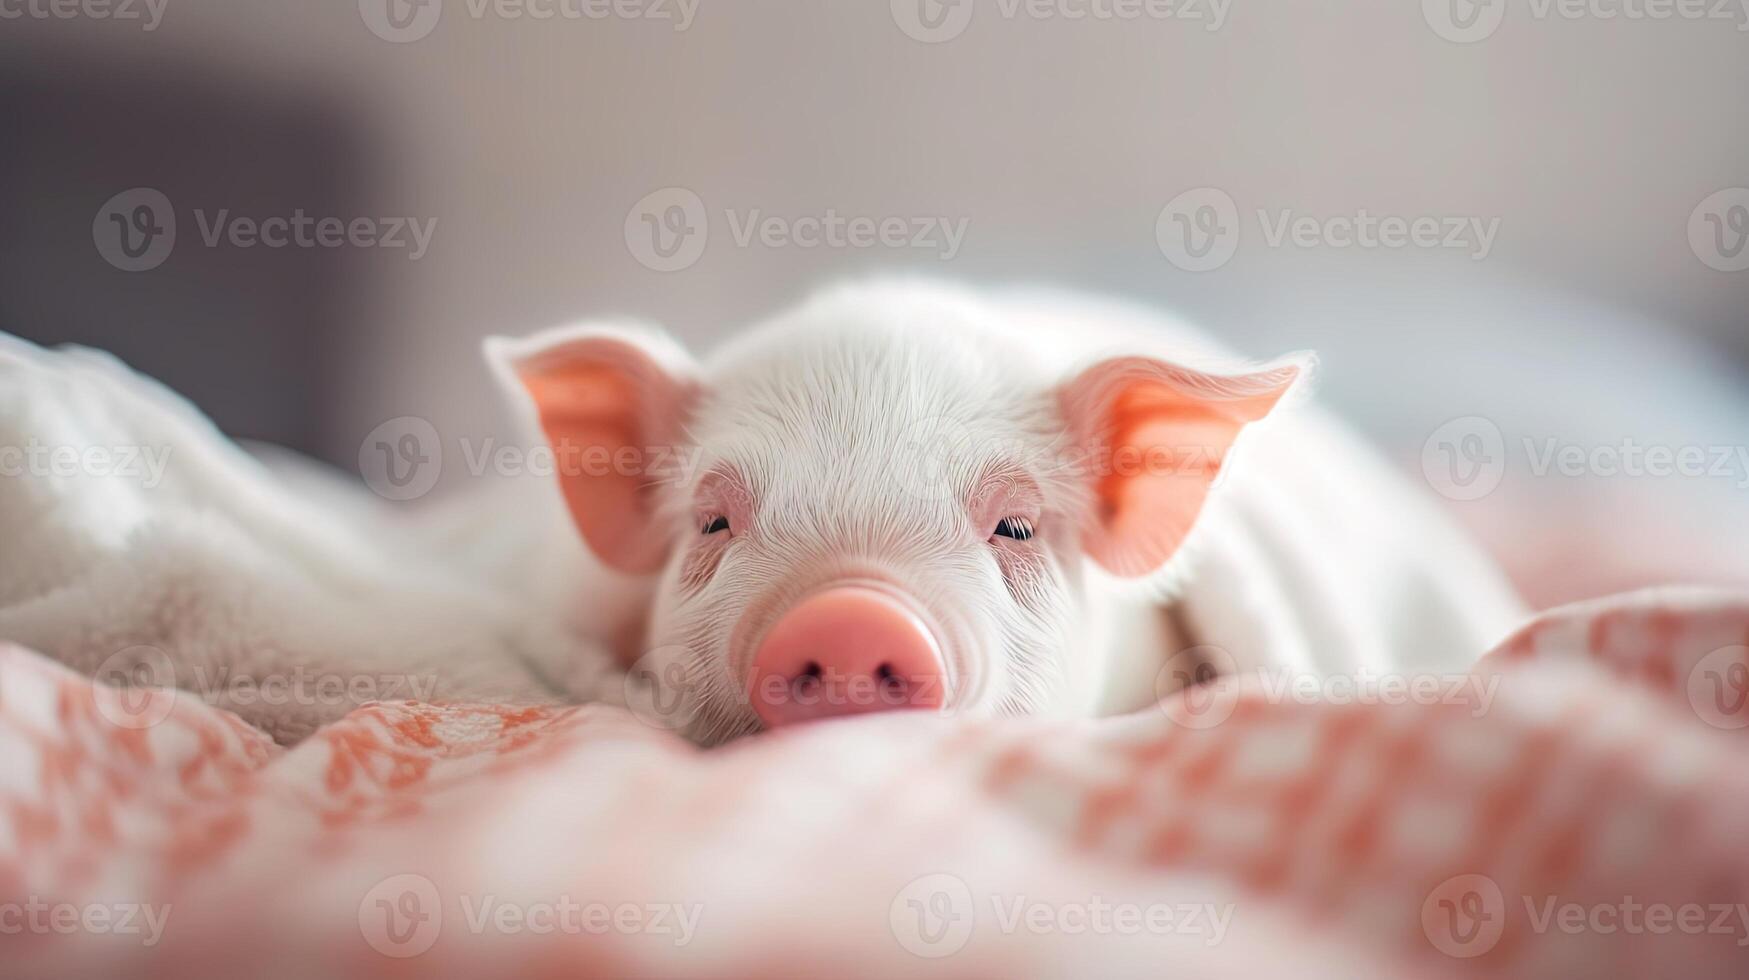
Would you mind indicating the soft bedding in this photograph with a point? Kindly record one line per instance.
(1573, 807)
(391, 788)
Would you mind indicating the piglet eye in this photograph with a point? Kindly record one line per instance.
(716, 524)
(1018, 528)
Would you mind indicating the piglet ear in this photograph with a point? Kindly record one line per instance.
(1154, 437)
(612, 402)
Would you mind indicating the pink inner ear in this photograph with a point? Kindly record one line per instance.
(607, 409)
(1157, 436)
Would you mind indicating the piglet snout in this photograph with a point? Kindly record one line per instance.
(845, 650)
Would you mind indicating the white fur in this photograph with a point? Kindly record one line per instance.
(243, 581)
(1311, 554)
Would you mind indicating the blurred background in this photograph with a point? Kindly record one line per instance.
(1509, 229)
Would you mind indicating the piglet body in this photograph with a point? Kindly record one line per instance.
(905, 495)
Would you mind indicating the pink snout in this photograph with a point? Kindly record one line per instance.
(847, 650)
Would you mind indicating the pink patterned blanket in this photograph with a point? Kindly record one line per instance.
(1574, 807)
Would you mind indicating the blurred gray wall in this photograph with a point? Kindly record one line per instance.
(1057, 141)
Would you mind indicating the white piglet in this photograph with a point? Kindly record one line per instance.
(909, 495)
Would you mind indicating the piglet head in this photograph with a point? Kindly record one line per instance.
(853, 515)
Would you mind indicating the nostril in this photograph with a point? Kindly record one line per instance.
(893, 687)
(808, 681)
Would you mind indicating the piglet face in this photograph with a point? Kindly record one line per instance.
(889, 553)
(854, 516)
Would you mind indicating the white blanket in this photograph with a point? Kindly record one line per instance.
(139, 540)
